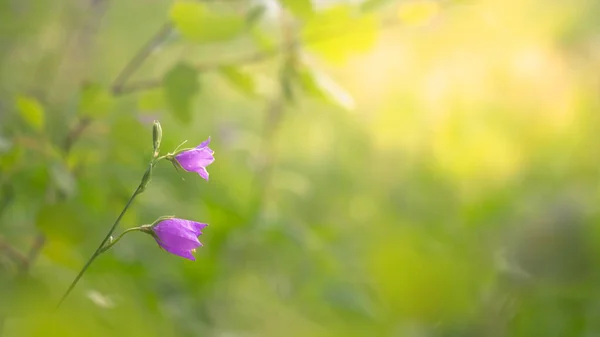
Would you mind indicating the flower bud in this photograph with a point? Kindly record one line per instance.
(145, 179)
(156, 136)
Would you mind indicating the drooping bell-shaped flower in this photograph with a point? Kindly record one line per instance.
(178, 236)
(196, 159)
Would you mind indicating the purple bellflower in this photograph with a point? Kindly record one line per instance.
(196, 159)
(178, 236)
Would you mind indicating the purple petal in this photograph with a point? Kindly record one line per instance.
(187, 254)
(192, 226)
(204, 144)
(177, 242)
(177, 233)
(203, 173)
(197, 227)
(179, 236)
(195, 159)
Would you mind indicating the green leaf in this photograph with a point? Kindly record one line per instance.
(151, 101)
(262, 40)
(5, 145)
(11, 158)
(241, 80)
(31, 111)
(371, 5)
(180, 85)
(303, 9)
(64, 179)
(254, 15)
(288, 78)
(61, 221)
(95, 101)
(344, 298)
(196, 22)
(338, 32)
(61, 252)
(322, 86)
(7, 196)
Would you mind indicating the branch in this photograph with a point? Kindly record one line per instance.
(245, 59)
(12, 253)
(155, 83)
(138, 59)
(76, 132)
(34, 251)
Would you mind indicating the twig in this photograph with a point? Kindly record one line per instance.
(271, 124)
(151, 84)
(254, 57)
(5, 247)
(83, 25)
(34, 251)
(138, 59)
(137, 86)
(12, 253)
(76, 132)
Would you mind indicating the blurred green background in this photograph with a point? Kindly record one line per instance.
(411, 168)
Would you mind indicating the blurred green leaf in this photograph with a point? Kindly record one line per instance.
(5, 145)
(371, 5)
(62, 253)
(61, 221)
(32, 179)
(288, 78)
(303, 9)
(348, 300)
(151, 100)
(11, 158)
(338, 32)
(31, 111)
(241, 80)
(96, 101)
(64, 179)
(198, 23)
(262, 40)
(7, 196)
(255, 14)
(320, 85)
(180, 85)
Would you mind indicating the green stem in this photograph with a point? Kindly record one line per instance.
(100, 249)
(97, 252)
(112, 243)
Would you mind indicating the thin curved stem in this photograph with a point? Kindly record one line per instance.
(138, 59)
(97, 252)
(112, 243)
(103, 247)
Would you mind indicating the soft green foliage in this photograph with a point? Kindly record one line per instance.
(339, 32)
(320, 85)
(95, 101)
(240, 79)
(180, 85)
(383, 168)
(303, 9)
(198, 23)
(31, 111)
